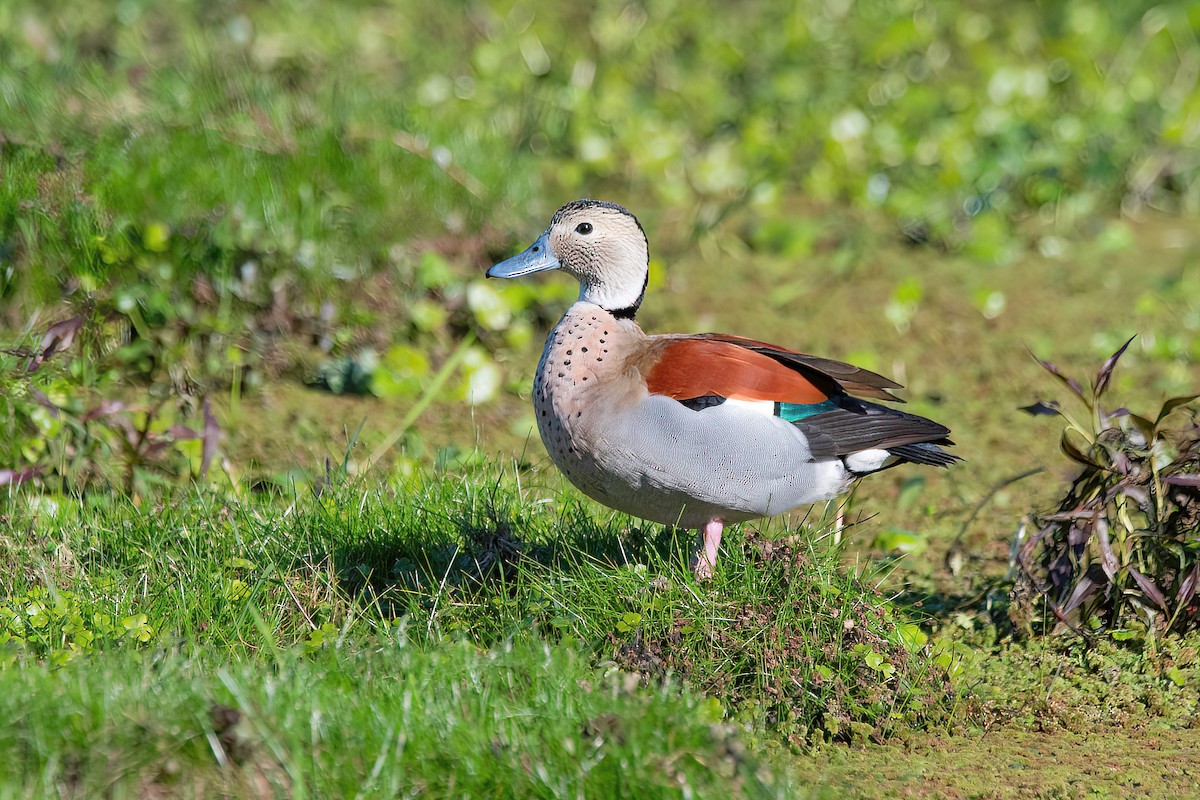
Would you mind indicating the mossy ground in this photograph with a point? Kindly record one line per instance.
(1017, 765)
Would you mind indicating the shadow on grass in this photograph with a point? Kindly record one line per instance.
(489, 551)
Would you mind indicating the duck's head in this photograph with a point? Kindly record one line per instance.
(601, 244)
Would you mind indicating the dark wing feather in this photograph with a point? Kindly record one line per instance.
(856, 425)
(925, 453)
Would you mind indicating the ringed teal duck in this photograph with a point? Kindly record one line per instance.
(700, 430)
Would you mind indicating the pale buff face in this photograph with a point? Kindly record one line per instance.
(605, 249)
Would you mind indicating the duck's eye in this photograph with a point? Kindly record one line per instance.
(584, 227)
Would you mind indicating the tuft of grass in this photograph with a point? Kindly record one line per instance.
(784, 636)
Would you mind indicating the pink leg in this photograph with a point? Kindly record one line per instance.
(706, 553)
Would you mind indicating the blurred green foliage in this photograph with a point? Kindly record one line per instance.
(232, 191)
(321, 134)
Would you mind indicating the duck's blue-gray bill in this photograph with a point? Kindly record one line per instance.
(536, 258)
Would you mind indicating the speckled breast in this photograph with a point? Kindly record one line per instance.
(568, 387)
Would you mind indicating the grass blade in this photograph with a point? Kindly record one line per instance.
(431, 392)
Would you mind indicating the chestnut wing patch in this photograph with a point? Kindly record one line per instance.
(685, 368)
(831, 377)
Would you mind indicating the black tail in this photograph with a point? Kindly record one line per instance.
(925, 453)
(855, 425)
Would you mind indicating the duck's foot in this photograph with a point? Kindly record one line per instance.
(705, 560)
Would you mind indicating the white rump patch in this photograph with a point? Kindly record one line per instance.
(764, 407)
(867, 460)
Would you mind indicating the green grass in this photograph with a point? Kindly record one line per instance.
(451, 637)
(782, 639)
(455, 636)
(378, 718)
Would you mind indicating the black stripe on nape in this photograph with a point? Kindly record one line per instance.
(629, 312)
